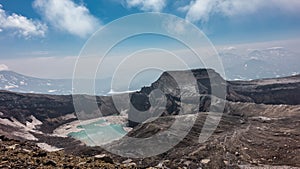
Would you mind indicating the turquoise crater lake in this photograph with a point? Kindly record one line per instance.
(99, 132)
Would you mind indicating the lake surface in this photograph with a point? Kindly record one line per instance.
(99, 132)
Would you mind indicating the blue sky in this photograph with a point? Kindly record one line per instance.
(42, 28)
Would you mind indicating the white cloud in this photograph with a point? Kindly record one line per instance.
(175, 26)
(229, 48)
(200, 10)
(147, 5)
(21, 25)
(3, 67)
(68, 16)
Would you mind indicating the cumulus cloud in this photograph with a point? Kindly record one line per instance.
(200, 10)
(175, 26)
(3, 67)
(68, 16)
(21, 25)
(147, 5)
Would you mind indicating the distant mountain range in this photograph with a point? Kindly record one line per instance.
(16, 82)
(258, 64)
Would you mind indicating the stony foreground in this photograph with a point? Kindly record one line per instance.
(248, 135)
(16, 154)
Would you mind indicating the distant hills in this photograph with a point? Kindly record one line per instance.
(12, 81)
(16, 82)
(257, 64)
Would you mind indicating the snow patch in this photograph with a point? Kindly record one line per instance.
(48, 147)
(52, 91)
(25, 135)
(22, 83)
(275, 48)
(32, 125)
(112, 92)
(24, 129)
(11, 86)
(7, 122)
(68, 117)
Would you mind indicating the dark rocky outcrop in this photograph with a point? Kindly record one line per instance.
(49, 109)
(24, 154)
(267, 91)
(270, 91)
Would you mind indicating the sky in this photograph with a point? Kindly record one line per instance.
(42, 38)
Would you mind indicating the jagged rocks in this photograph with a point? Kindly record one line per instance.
(18, 158)
(267, 91)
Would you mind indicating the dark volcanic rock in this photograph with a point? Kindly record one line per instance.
(43, 107)
(16, 154)
(178, 88)
(49, 109)
(268, 91)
